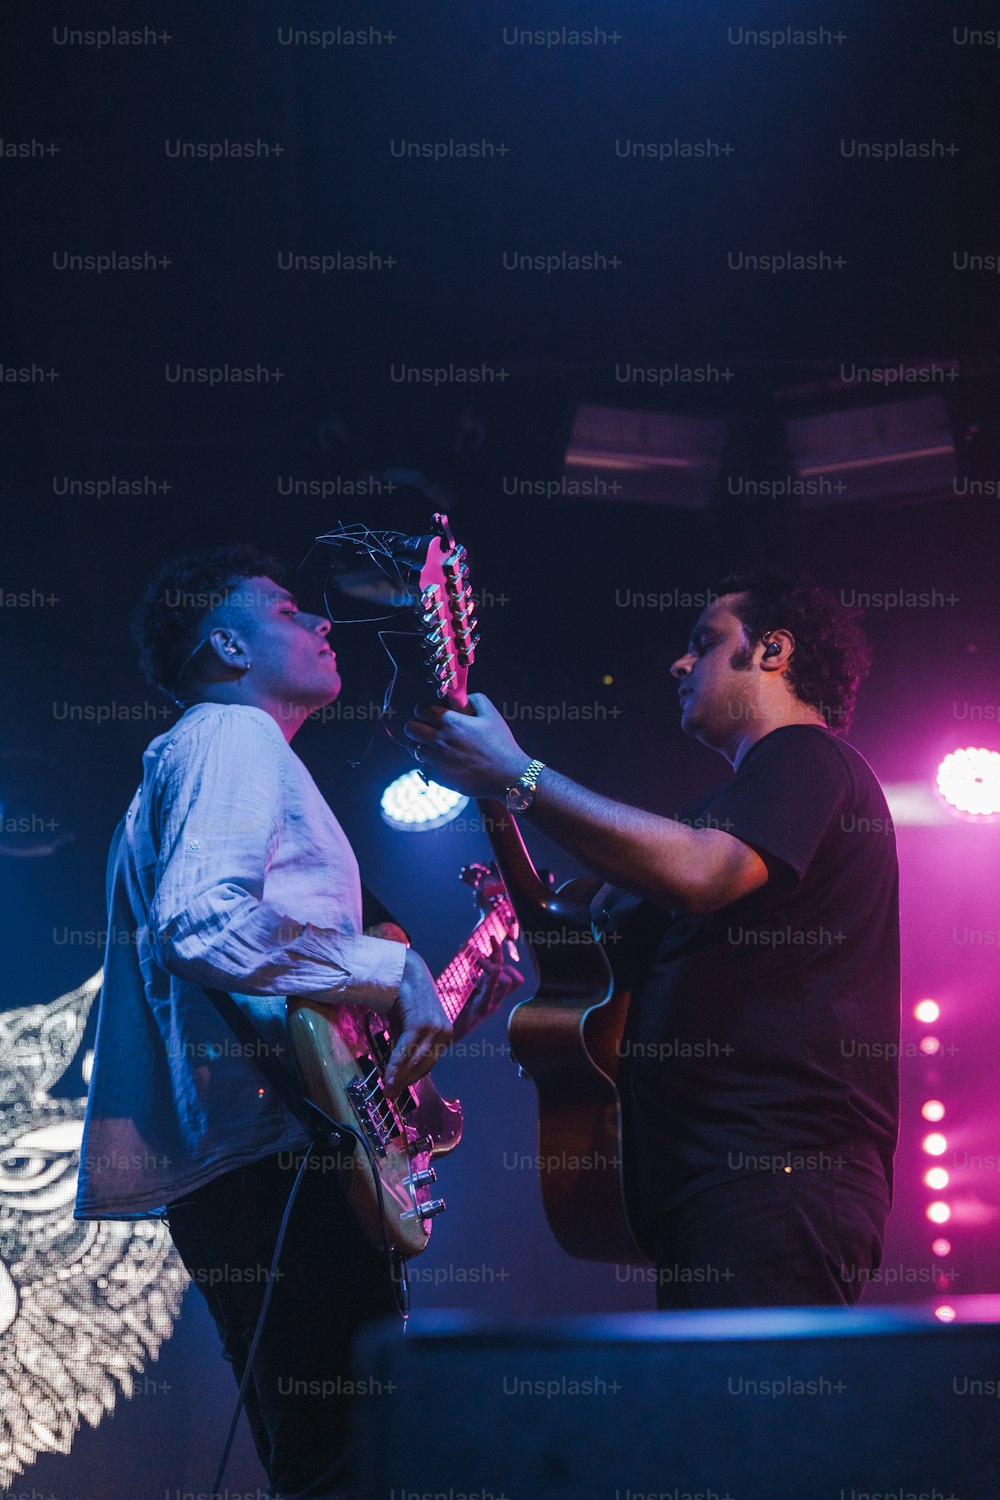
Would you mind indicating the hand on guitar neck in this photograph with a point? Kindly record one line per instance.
(498, 977)
(410, 1020)
(471, 751)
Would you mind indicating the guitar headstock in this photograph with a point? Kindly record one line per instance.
(429, 573)
(446, 611)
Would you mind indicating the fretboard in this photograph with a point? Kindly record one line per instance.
(457, 982)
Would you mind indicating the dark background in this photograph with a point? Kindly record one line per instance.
(558, 576)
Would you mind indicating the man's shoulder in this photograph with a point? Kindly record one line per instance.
(204, 720)
(810, 744)
(209, 723)
(812, 758)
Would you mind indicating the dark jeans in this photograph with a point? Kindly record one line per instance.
(330, 1283)
(774, 1239)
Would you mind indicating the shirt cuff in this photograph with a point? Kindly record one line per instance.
(374, 968)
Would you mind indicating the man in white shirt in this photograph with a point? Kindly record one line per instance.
(231, 872)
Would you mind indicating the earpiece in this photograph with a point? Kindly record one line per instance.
(771, 649)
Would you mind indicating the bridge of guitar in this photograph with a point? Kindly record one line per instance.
(383, 1120)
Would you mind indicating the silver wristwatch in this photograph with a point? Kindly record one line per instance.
(521, 795)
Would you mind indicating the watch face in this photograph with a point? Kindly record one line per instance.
(520, 798)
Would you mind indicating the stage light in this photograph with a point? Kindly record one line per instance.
(935, 1144)
(416, 806)
(945, 1313)
(941, 1247)
(938, 1213)
(936, 1178)
(932, 1109)
(927, 1010)
(930, 1046)
(969, 781)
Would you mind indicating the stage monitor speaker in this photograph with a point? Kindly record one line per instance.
(783, 1404)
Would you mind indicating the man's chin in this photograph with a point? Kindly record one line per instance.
(693, 727)
(322, 696)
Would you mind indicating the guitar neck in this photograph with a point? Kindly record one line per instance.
(456, 983)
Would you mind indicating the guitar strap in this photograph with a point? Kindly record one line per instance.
(280, 1079)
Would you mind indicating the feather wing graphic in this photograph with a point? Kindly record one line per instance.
(84, 1307)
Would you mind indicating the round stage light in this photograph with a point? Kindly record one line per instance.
(417, 806)
(932, 1109)
(938, 1213)
(945, 1313)
(969, 781)
(941, 1247)
(934, 1144)
(936, 1178)
(930, 1046)
(927, 1010)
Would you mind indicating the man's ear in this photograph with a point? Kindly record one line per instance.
(228, 646)
(771, 660)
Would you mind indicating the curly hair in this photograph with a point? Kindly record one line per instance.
(832, 655)
(172, 612)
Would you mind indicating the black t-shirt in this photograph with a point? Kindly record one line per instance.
(767, 1033)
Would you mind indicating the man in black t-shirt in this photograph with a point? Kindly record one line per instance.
(758, 1071)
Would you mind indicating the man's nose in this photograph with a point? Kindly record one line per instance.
(681, 666)
(321, 625)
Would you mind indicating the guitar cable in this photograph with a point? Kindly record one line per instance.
(331, 1130)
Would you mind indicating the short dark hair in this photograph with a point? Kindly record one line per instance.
(832, 655)
(172, 612)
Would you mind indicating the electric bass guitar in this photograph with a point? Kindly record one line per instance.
(567, 1037)
(341, 1052)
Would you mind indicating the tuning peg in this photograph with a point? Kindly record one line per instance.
(421, 1178)
(423, 1211)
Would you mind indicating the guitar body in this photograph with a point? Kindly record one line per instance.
(340, 1051)
(567, 1039)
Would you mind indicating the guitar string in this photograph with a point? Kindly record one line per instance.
(461, 968)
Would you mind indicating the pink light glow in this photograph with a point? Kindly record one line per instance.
(935, 1144)
(938, 1213)
(941, 1247)
(932, 1109)
(969, 781)
(927, 1010)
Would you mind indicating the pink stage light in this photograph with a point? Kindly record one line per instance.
(934, 1144)
(927, 1010)
(945, 1313)
(936, 1178)
(933, 1110)
(941, 1247)
(938, 1213)
(969, 781)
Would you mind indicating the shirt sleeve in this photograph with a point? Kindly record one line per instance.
(220, 819)
(785, 797)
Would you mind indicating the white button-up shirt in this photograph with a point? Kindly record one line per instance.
(234, 874)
